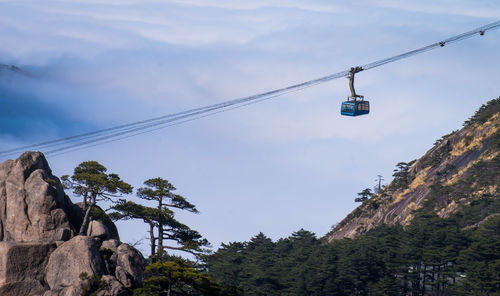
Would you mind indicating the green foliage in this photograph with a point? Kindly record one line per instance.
(51, 182)
(364, 195)
(485, 112)
(91, 181)
(130, 210)
(263, 267)
(438, 155)
(161, 220)
(401, 176)
(481, 261)
(83, 276)
(468, 140)
(161, 191)
(476, 211)
(446, 171)
(429, 257)
(445, 137)
(482, 175)
(437, 191)
(180, 277)
(495, 141)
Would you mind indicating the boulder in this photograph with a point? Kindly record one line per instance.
(63, 234)
(22, 268)
(25, 288)
(99, 215)
(129, 266)
(108, 251)
(97, 229)
(75, 260)
(111, 244)
(34, 206)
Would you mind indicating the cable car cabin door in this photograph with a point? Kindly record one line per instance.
(355, 108)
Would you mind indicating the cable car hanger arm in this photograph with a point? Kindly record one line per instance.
(353, 71)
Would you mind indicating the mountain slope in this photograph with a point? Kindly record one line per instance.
(458, 177)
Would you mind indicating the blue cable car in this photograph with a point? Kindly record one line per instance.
(354, 106)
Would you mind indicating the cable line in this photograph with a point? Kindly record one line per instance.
(103, 136)
(154, 128)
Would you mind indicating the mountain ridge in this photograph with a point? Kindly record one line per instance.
(459, 170)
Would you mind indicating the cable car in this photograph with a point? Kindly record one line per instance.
(355, 104)
(355, 108)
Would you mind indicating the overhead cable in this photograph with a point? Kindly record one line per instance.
(103, 136)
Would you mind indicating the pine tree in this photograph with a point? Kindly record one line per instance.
(90, 181)
(161, 218)
(364, 195)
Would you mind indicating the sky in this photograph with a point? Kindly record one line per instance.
(274, 167)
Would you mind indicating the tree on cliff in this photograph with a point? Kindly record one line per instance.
(90, 181)
(401, 175)
(126, 210)
(162, 218)
(364, 195)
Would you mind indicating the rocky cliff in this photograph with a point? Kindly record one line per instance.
(461, 173)
(40, 253)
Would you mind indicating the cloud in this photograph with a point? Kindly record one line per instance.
(25, 112)
(42, 103)
(109, 25)
(232, 5)
(479, 9)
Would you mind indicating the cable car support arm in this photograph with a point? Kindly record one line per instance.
(353, 71)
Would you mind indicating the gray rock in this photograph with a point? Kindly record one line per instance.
(76, 290)
(100, 213)
(34, 206)
(108, 251)
(25, 288)
(124, 277)
(111, 287)
(97, 229)
(111, 244)
(63, 234)
(73, 261)
(39, 252)
(125, 262)
(22, 268)
(129, 266)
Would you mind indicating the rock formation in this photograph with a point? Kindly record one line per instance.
(40, 253)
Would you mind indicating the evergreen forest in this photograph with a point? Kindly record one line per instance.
(432, 256)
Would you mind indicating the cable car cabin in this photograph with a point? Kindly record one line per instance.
(355, 108)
